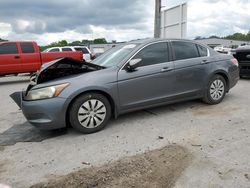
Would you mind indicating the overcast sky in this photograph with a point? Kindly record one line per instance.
(47, 21)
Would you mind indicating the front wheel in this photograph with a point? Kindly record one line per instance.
(216, 90)
(90, 113)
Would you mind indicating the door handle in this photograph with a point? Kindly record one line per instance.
(204, 61)
(17, 57)
(166, 69)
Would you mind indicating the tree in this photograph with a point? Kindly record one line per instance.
(100, 41)
(214, 36)
(239, 36)
(2, 40)
(198, 38)
(75, 43)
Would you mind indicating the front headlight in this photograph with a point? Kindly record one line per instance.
(46, 92)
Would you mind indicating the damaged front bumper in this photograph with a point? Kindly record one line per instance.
(43, 114)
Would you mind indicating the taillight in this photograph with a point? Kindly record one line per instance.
(235, 61)
(92, 57)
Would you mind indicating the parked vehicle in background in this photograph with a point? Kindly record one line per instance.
(223, 49)
(87, 55)
(242, 54)
(132, 76)
(25, 57)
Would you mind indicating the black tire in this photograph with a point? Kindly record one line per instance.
(208, 96)
(77, 106)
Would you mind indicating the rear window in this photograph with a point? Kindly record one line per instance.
(54, 50)
(27, 47)
(202, 50)
(185, 50)
(66, 49)
(83, 50)
(8, 48)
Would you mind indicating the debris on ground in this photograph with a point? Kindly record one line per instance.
(85, 163)
(196, 145)
(247, 177)
(157, 168)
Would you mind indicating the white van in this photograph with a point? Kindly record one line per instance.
(87, 55)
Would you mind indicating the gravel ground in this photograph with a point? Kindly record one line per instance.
(217, 137)
(157, 168)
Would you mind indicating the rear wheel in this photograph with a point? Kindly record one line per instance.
(90, 113)
(216, 90)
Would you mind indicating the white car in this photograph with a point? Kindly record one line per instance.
(223, 49)
(87, 55)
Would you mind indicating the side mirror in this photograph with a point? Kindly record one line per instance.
(133, 64)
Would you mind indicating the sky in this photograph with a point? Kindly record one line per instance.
(48, 21)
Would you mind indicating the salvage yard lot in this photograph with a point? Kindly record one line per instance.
(215, 139)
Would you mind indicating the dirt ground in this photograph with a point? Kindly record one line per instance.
(157, 168)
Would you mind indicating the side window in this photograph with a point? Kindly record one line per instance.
(8, 48)
(153, 54)
(54, 50)
(184, 50)
(27, 47)
(66, 49)
(83, 50)
(202, 50)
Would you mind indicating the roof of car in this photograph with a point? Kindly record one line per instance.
(143, 41)
(67, 47)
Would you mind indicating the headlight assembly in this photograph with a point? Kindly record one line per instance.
(46, 92)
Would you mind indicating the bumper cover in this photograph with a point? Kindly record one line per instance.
(233, 76)
(43, 114)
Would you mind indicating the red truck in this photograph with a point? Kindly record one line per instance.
(25, 57)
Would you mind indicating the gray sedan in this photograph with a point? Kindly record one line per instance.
(132, 76)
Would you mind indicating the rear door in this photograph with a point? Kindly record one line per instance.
(191, 61)
(151, 83)
(30, 59)
(9, 58)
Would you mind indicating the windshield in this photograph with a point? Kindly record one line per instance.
(114, 56)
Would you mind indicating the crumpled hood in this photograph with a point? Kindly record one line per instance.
(62, 67)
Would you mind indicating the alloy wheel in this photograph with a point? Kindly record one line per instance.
(92, 113)
(217, 90)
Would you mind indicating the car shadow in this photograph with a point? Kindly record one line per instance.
(27, 133)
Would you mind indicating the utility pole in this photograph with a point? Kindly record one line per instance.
(157, 30)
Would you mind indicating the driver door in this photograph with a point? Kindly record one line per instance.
(151, 82)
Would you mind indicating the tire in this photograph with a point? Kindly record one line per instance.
(89, 113)
(216, 90)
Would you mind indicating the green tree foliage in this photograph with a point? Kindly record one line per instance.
(239, 36)
(213, 36)
(2, 40)
(84, 42)
(235, 36)
(100, 41)
(58, 44)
